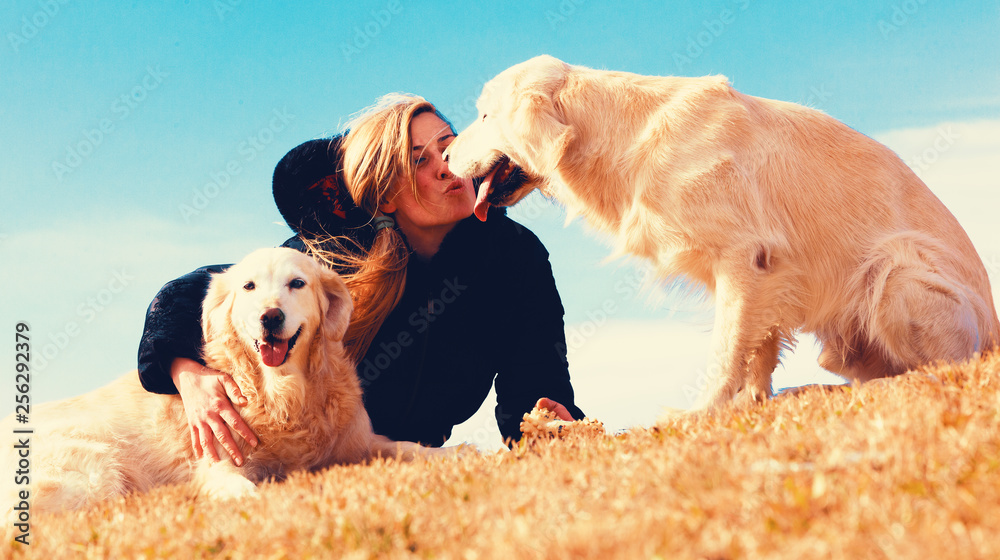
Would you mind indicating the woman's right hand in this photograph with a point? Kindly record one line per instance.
(208, 397)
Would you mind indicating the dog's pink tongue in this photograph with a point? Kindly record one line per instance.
(482, 207)
(273, 355)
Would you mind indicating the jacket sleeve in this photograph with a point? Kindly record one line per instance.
(173, 328)
(535, 363)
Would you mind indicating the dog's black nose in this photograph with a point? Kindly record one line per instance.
(272, 319)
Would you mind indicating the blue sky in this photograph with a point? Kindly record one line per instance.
(140, 140)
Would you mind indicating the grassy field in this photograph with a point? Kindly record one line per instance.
(908, 468)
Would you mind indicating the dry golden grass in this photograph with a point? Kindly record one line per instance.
(905, 468)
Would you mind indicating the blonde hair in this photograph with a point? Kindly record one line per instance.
(375, 158)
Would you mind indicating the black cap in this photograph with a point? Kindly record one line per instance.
(310, 193)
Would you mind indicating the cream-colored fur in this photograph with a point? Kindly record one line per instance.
(795, 221)
(307, 412)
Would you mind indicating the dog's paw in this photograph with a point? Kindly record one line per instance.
(230, 488)
(222, 480)
(460, 450)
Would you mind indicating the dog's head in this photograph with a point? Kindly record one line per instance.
(274, 302)
(518, 138)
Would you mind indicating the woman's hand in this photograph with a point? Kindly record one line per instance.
(552, 406)
(208, 397)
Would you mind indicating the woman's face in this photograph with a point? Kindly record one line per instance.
(444, 198)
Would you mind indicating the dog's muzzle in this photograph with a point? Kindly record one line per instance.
(274, 350)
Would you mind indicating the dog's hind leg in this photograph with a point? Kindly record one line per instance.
(76, 475)
(858, 361)
(912, 313)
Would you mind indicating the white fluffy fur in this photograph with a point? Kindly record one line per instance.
(794, 220)
(307, 412)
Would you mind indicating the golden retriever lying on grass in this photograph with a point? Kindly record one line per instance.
(794, 220)
(274, 321)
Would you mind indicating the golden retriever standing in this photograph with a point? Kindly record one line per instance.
(794, 220)
(274, 321)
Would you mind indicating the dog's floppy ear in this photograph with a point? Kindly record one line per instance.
(217, 306)
(536, 116)
(336, 304)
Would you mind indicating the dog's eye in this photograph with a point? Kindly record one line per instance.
(297, 283)
(249, 286)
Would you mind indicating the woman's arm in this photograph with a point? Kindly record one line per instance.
(535, 366)
(173, 328)
(170, 362)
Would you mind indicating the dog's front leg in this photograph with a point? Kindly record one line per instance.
(745, 343)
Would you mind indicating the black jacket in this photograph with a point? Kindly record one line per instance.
(485, 306)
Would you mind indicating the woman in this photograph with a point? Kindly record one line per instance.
(443, 302)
